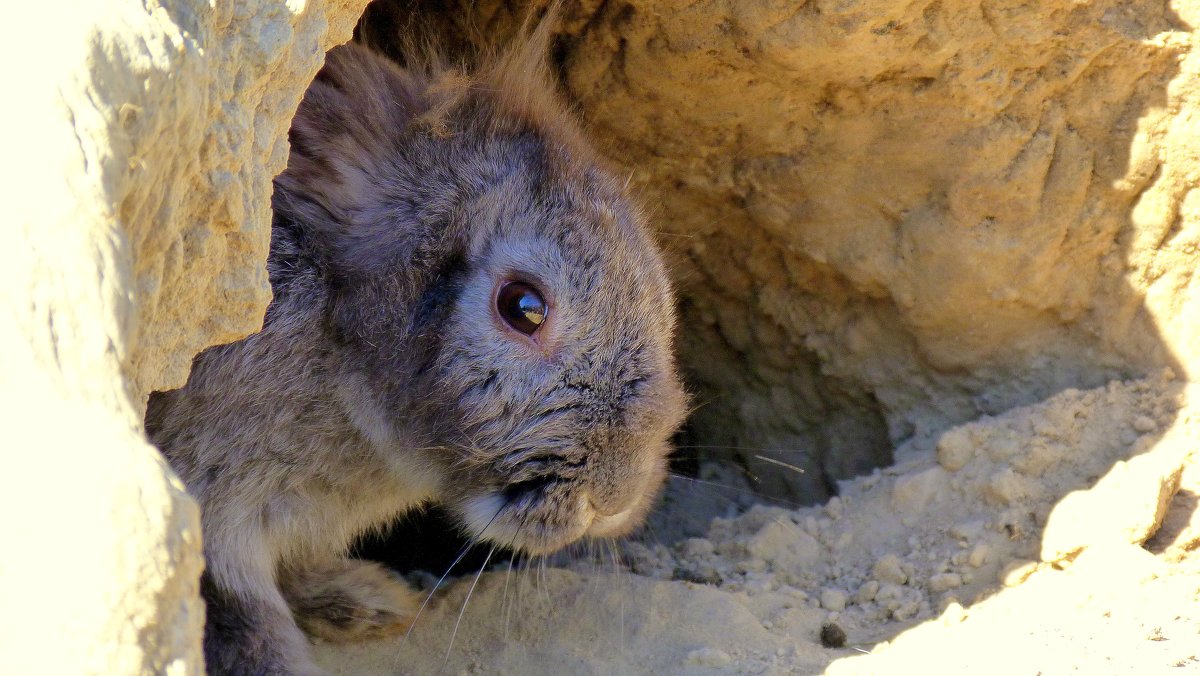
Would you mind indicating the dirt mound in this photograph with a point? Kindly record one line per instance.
(1023, 530)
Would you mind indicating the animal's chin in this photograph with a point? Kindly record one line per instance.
(493, 518)
(612, 526)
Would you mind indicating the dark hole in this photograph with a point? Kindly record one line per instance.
(429, 540)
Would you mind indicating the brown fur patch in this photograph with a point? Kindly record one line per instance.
(349, 600)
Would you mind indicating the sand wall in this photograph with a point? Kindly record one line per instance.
(141, 143)
(891, 216)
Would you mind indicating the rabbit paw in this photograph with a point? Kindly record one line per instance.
(350, 600)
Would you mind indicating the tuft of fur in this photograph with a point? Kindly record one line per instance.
(383, 378)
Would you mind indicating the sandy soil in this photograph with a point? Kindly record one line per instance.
(1053, 538)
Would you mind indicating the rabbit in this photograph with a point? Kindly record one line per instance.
(468, 310)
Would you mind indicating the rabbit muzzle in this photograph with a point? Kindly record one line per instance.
(607, 495)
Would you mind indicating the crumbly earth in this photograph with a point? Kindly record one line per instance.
(140, 152)
(1051, 538)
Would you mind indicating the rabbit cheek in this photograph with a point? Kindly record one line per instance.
(535, 525)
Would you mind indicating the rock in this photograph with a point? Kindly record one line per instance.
(866, 593)
(698, 574)
(955, 448)
(1007, 487)
(1016, 572)
(833, 599)
(1106, 563)
(697, 548)
(834, 508)
(1144, 424)
(952, 611)
(1126, 506)
(968, 530)
(906, 610)
(913, 492)
(785, 546)
(944, 582)
(889, 568)
(832, 635)
(889, 595)
(979, 555)
(136, 231)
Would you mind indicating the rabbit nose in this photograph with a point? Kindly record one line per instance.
(611, 492)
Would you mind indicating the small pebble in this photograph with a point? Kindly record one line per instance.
(888, 594)
(953, 612)
(701, 575)
(834, 507)
(811, 527)
(708, 657)
(979, 555)
(944, 581)
(1017, 572)
(697, 547)
(1144, 424)
(888, 569)
(832, 635)
(906, 610)
(866, 593)
(833, 599)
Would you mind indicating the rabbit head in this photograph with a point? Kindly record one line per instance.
(494, 293)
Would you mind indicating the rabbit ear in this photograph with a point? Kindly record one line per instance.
(353, 116)
(353, 144)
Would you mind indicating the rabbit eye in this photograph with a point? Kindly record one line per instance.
(521, 306)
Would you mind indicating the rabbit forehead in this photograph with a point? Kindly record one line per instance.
(564, 233)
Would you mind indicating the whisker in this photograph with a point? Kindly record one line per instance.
(594, 557)
(612, 548)
(504, 602)
(505, 605)
(467, 600)
(745, 473)
(758, 449)
(713, 493)
(757, 496)
(539, 585)
(466, 548)
(773, 461)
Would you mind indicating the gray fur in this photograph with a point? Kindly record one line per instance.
(383, 379)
